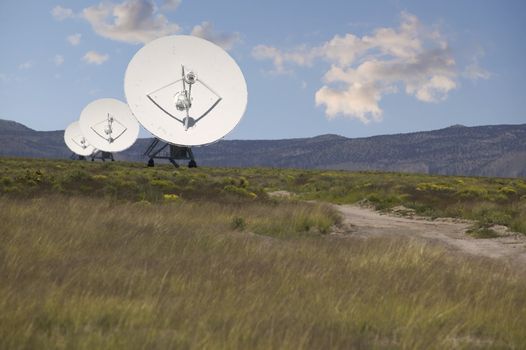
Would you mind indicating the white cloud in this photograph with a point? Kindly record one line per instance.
(58, 60)
(343, 50)
(26, 65)
(139, 22)
(301, 56)
(473, 70)
(74, 39)
(170, 5)
(131, 21)
(358, 101)
(364, 69)
(206, 31)
(61, 13)
(93, 57)
(264, 52)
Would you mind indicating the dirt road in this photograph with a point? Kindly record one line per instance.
(365, 222)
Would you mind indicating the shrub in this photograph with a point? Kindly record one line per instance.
(383, 201)
(243, 182)
(6, 181)
(99, 177)
(171, 197)
(228, 181)
(507, 190)
(472, 192)
(76, 175)
(143, 203)
(162, 184)
(482, 231)
(238, 223)
(241, 192)
(434, 187)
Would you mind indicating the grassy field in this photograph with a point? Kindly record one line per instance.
(488, 201)
(120, 256)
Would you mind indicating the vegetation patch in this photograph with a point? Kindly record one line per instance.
(121, 256)
(238, 223)
(106, 273)
(482, 231)
(484, 200)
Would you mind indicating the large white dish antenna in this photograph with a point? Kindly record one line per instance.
(109, 125)
(185, 90)
(76, 141)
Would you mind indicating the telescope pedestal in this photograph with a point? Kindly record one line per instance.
(102, 156)
(161, 150)
(75, 156)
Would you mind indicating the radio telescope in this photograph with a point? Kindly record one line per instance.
(187, 92)
(109, 125)
(76, 141)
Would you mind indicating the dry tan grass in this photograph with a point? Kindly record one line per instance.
(89, 273)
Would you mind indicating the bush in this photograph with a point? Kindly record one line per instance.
(507, 190)
(162, 184)
(238, 223)
(472, 192)
(76, 176)
(6, 181)
(100, 178)
(241, 192)
(434, 187)
(243, 182)
(482, 231)
(171, 197)
(384, 201)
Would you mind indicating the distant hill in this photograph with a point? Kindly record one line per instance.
(481, 151)
(18, 140)
(7, 126)
(496, 150)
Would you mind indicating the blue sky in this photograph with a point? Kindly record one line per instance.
(354, 68)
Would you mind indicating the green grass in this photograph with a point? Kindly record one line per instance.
(485, 200)
(120, 256)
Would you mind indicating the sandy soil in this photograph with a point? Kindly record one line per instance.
(364, 222)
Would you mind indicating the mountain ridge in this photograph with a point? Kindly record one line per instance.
(491, 150)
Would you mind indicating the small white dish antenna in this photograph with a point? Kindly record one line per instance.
(76, 141)
(109, 125)
(185, 90)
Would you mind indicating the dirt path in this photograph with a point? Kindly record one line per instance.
(365, 222)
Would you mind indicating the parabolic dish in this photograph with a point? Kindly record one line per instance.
(109, 125)
(76, 141)
(185, 90)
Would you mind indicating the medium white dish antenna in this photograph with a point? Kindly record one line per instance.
(76, 141)
(109, 125)
(185, 90)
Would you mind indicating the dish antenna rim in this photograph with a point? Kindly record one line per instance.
(71, 133)
(109, 125)
(185, 90)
